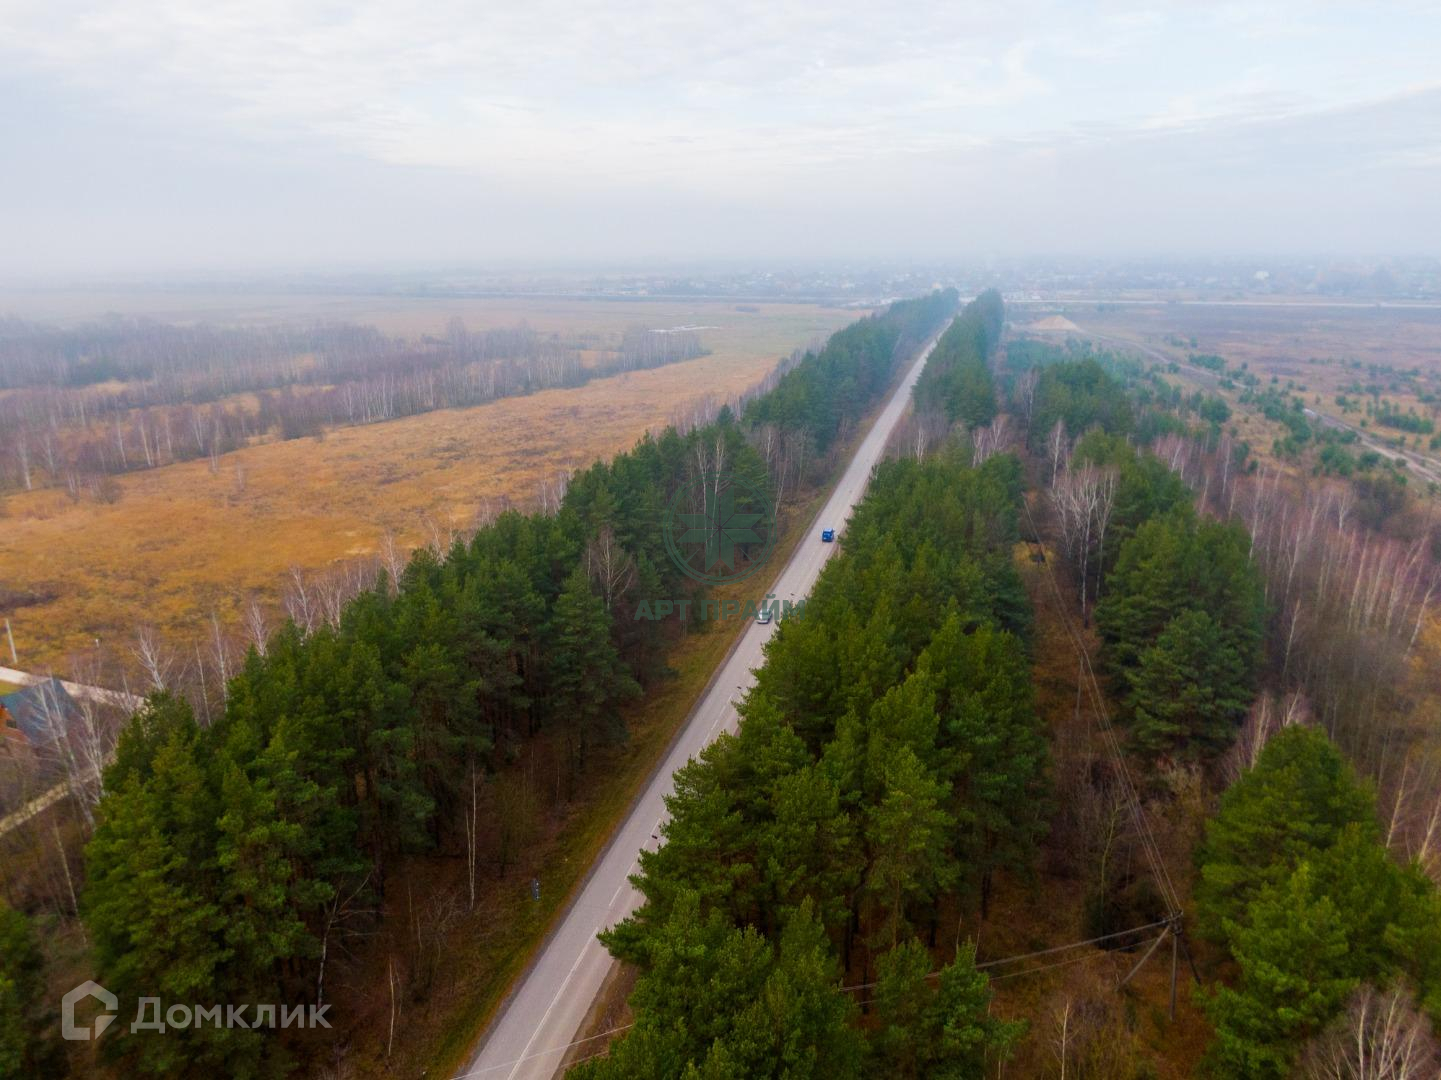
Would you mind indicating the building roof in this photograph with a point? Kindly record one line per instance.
(42, 710)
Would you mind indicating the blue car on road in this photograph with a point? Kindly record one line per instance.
(827, 535)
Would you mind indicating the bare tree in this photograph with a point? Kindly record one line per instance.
(718, 464)
(333, 588)
(609, 565)
(1266, 717)
(255, 625)
(220, 653)
(798, 450)
(155, 657)
(442, 535)
(334, 930)
(93, 730)
(1057, 448)
(1025, 396)
(1380, 1037)
(1412, 790)
(1061, 1020)
(1083, 499)
(393, 984)
(392, 559)
(302, 608)
(766, 439)
(923, 429)
(552, 491)
(993, 438)
(472, 833)
(83, 784)
(1343, 501)
(22, 455)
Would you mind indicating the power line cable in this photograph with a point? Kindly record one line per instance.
(1148, 841)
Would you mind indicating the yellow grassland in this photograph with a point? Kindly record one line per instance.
(184, 540)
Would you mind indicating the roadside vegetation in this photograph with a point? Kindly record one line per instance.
(1252, 762)
(442, 713)
(889, 764)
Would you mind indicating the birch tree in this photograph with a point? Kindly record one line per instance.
(155, 657)
(1379, 1037)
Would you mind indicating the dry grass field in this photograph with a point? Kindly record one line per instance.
(1314, 345)
(1282, 337)
(1316, 350)
(182, 540)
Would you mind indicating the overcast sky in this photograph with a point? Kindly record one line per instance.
(282, 133)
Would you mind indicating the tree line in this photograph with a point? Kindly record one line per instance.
(957, 381)
(1349, 589)
(822, 398)
(1216, 584)
(123, 394)
(228, 859)
(1181, 624)
(888, 764)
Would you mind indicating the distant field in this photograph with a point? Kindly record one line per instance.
(183, 540)
(410, 315)
(1289, 342)
(1315, 347)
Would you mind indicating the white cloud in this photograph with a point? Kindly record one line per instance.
(850, 109)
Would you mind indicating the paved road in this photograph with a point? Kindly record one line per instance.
(528, 1040)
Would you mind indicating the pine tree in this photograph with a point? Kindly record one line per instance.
(153, 905)
(1294, 803)
(588, 681)
(715, 1001)
(800, 1023)
(264, 891)
(395, 806)
(996, 745)
(1295, 975)
(708, 967)
(1145, 591)
(643, 640)
(938, 1030)
(1189, 691)
(907, 835)
(709, 852)
(1182, 622)
(809, 848)
(28, 1047)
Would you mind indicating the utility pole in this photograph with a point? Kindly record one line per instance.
(1175, 950)
(11, 638)
(1175, 930)
(1144, 957)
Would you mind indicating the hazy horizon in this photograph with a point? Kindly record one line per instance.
(150, 139)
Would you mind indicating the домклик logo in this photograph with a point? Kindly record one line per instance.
(68, 1027)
